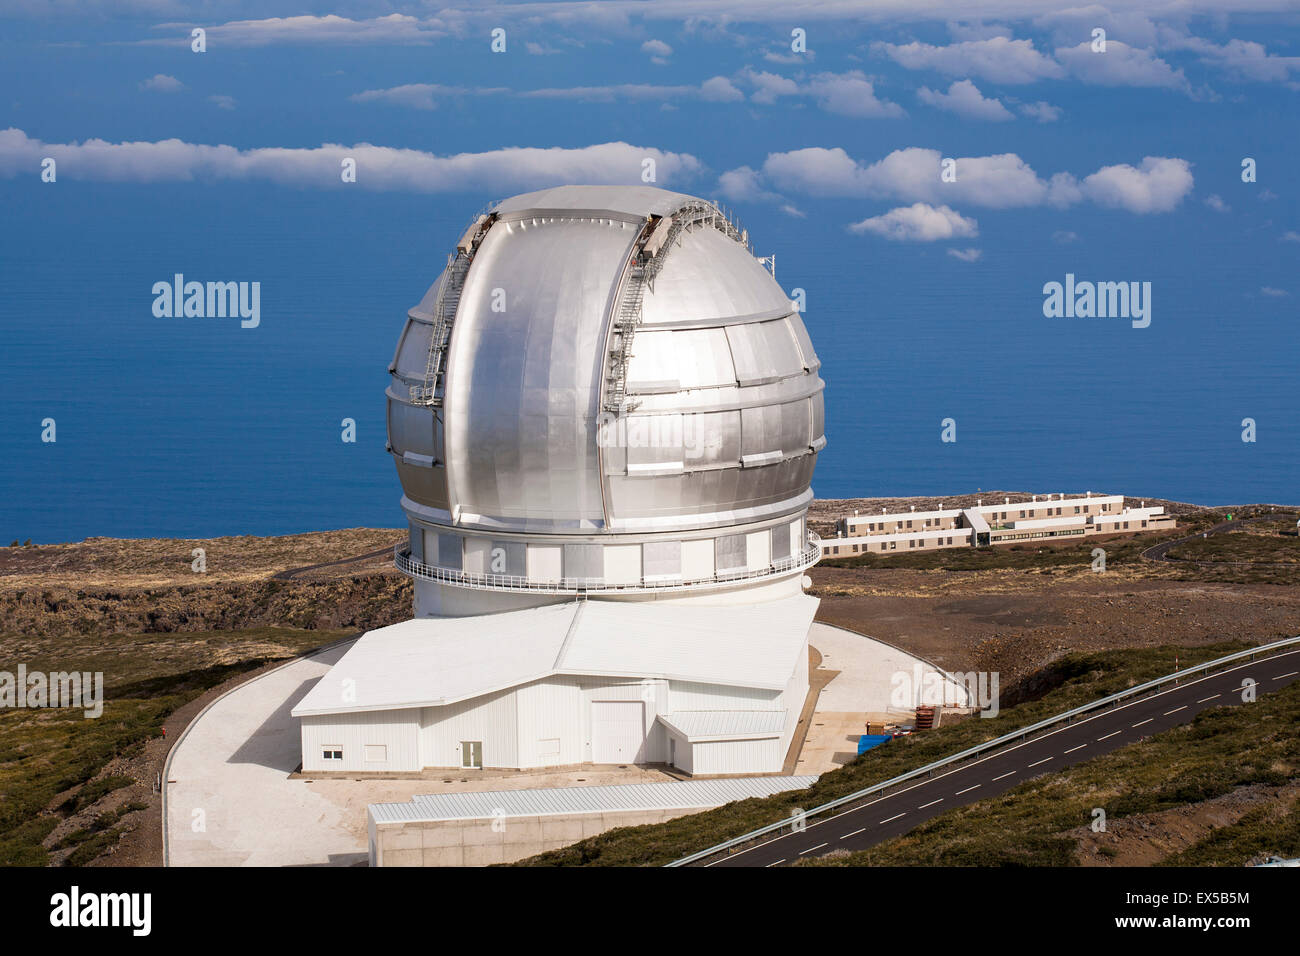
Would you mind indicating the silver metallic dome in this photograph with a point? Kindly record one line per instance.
(604, 360)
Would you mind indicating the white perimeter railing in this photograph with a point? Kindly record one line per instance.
(403, 561)
(877, 791)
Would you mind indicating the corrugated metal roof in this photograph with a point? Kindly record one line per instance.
(433, 661)
(678, 795)
(702, 724)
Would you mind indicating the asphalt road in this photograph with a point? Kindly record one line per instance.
(1160, 552)
(1074, 743)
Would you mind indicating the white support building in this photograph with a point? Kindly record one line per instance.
(714, 690)
(1050, 516)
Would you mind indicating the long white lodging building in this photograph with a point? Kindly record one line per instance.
(605, 416)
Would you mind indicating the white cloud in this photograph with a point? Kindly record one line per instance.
(1121, 65)
(998, 59)
(845, 94)
(1157, 185)
(719, 89)
(162, 83)
(1003, 181)
(790, 58)
(395, 28)
(794, 211)
(964, 99)
(851, 94)
(425, 96)
(418, 96)
(965, 255)
(378, 167)
(1240, 59)
(657, 48)
(541, 49)
(1041, 111)
(1273, 293)
(1065, 236)
(913, 173)
(1216, 203)
(918, 222)
(221, 101)
(769, 86)
(1290, 236)
(743, 185)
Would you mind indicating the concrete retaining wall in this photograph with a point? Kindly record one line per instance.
(478, 843)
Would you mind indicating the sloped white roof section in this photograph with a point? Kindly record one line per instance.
(754, 645)
(678, 795)
(428, 662)
(724, 724)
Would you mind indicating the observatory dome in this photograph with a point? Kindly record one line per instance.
(601, 364)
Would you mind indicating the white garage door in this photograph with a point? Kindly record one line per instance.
(617, 731)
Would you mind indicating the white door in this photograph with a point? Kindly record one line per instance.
(617, 731)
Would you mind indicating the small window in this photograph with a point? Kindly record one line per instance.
(333, 752)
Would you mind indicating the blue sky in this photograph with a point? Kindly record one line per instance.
(924, 296)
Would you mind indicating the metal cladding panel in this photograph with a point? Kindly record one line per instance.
(711, 438)
(412, 356)
(636, 201)
(719, 492)
(425, 307)
(776, 428)
(428, 486)
(413, 429)
(709, 276)
(524, 383)
(692, 358)
(800, 333)
(764, 351)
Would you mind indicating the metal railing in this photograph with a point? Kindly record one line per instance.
(878, 791)
(402, 560)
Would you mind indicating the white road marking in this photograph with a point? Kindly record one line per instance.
(1175, 710)
(930, 804)
(1007, 774)
(1281, 676)
(1037, 762)
(1073, 749)
(967, 790)
(782, 860)
(1141, 722)
(1100, 739)
(1204, 699)
(854, 833)
(811, 848)
(893, 818)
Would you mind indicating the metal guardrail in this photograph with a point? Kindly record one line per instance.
(402, 560)
(878, 790)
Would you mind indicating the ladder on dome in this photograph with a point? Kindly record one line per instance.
(430, 393)
(658, 237)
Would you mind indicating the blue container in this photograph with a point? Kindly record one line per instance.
(867, 741)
